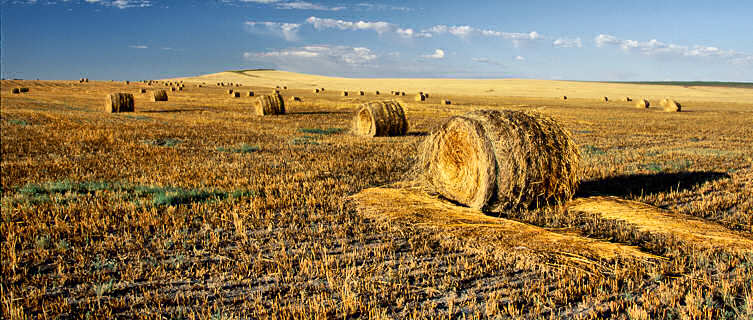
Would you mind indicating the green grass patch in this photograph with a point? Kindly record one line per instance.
(17, 122)
(65, 191)
(305, 140)
(244, 148)
(327, 131)
(592, 150)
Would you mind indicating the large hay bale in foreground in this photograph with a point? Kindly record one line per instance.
(380, 119)
(642, 104)
(119, 102)
(159, 95)
(498, 160)
(270, 105)
(670, 105)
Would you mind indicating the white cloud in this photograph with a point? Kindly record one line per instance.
(567, 43)
(438, 54)
(466, 31)
(322, 54)
(326, 23)
(303, 5)
(655, 47)
(138, 46)
(122, 4)
(520, 58)
(288, 31)
(370, 6)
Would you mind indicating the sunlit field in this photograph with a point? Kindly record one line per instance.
(198, 208)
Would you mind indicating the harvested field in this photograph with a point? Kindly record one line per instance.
(198, 208)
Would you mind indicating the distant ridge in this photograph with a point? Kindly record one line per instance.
(691, 83)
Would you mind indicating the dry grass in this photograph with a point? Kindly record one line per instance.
(197, 208)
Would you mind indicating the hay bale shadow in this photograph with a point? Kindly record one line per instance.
(636, 184)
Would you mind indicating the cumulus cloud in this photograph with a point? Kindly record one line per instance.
(466, 31)
(438, 54)
(655, 47)
(288, 31)
(138, 46)
(327, 23)
(122, 4)
(303, 5)
(520, 58)
(567, 43)
(321, 54)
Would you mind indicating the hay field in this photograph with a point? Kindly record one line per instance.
(197, 208)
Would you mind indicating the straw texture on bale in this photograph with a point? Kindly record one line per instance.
(119, 102)
(420, 97)
(15, 90)
(670, 105)
(380, 119)
(270, 104)
(642, 103)
(499, 160)
(159, 95)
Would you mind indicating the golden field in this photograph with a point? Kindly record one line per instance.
(197, 208)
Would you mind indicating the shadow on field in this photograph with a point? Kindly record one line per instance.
(636, 184)
(319, 112)
(171, 110)
(418, 133)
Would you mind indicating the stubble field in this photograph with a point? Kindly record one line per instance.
(197, 208)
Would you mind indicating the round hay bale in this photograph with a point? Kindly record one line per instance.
(159, 95)
(380, 119)
(670, 105)
(445, 101)
(270, 105)
(605, 99)
(627, 99)
(250, 94)
(295, 99)
(376, 92)
(402, 94)
(498, 160)
(316, 90)
(142, 91)
(361, 93)
(236, 95)
(285, 87)
(23, 90)
(426, 94)
(345, 93)
(322, 89)
(230, 91)
(119, 102)
(563, 97)
(180, 88)
(127, 82)
(642, 104)
(86, 80)
(420, 97)
(172, 89)
(15, 91)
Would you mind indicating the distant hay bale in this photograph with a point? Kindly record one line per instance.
(380, 119)
(376, 92)
(250, 94)
(345, 93)
(296, 99)
(402, 94)
(605, 99)
(172, 89)
(498, 160)
(127, 82)
(670, 105)
(285, 87)
(426, 95)
(270, 105)
(159, 95)
(15, 91)
(180, 88)
(119, 102)
(142, 91)
(445, 101)
(420, 97)
(81, 80)
(230, 91)
(642, 103)
(236, 95)
(627, 99)
(316, 90)
(361, 93)
(563, 97)
(322, 89)
(86, 80)
(275, 91)
(23, 90)
(277, 87)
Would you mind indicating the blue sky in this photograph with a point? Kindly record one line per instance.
(575, 40)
